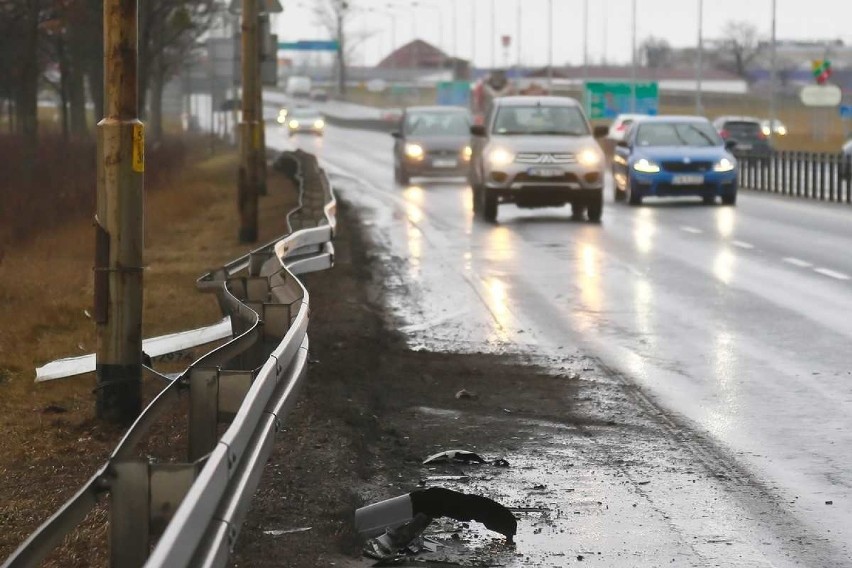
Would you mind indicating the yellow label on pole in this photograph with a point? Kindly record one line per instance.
(258, 137)
(138, 148)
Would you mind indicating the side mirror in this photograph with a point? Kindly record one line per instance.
(477, 130)
(601, 131)
(396, 134)
(623, 144)
(730, 144)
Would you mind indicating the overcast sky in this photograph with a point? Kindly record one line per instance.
(450, 24)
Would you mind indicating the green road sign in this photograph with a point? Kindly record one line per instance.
(609, 99)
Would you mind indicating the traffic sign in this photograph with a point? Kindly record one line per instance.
(453, 93)
(845, 111)
(821, 95)
(821, 69)
(609, 99)
(309, 45)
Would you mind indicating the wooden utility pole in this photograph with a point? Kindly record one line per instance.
(251, 140)
(262, 56)
(119, 222)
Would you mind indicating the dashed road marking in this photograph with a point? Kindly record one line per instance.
(832, 274)
(693, 230)
(797, 262)
(742, 244)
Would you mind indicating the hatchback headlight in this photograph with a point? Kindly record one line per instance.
(646, 166)
(319, 123)
(467, 152)
(500, 157)
(724, 165)
(294, 124)
(589, 157)
(414, 151)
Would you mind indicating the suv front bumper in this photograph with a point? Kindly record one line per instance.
(576, 185)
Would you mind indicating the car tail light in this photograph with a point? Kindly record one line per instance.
(620, 127)
(724, 133)
(761, 135)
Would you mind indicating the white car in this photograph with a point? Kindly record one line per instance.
(620, 125)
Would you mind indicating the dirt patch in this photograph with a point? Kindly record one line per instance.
(373, 409)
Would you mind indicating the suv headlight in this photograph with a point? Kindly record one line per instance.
(319, 123)
(294, 124)
(500, 157)
(724, 165)
(414, 151)
(646, 166)
(589, 157)
(467, 152)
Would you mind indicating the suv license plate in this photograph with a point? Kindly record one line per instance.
(444, 163)
(741, 146)
(688, 180)
(545, 172)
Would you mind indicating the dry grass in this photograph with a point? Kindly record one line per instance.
(50, 441)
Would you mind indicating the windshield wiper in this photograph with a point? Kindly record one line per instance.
(558, 132)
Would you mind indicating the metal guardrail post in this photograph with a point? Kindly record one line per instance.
(129, 536)
(203, 411)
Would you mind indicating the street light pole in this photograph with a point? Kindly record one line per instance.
(520, 31)
(773, 76)
(119, 222)
(633, 66)
(585, 41)
(493, 35)
(549, 47)
(699, 71)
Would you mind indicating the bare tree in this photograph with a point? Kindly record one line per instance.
(656, 52)
(739, 47)
(335, 16)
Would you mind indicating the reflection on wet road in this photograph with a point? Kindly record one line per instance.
(734, 319)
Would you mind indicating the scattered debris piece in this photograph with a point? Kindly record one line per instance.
(500, 462)
(464, 393)
(829, 502)
(529, 509)
(54, 409)
(433, 478)
(646, 482)
(539, 487)
(456, 456)
(397, 540)
(382, 518)
(278, 532)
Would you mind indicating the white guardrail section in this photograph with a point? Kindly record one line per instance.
(191, 512)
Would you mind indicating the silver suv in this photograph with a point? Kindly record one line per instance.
(537, 152)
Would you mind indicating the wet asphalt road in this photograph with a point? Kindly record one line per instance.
(736, 321)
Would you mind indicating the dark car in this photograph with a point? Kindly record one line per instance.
(748, 134)
(431, 141)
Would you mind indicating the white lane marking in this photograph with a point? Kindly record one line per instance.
(742, 244)
(797, 262)
(692, 230)
(832, 273)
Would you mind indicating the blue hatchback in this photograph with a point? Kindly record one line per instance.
(674, 156)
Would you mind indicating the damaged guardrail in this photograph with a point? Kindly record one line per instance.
(191, 511)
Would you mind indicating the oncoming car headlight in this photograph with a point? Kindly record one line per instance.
(646, 166)
(500, 157)
(294, 124)
(319, 123)
(724, 165)
(414, 151)
(589, 157)
(467, 152)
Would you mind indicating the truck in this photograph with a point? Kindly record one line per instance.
(299, 86)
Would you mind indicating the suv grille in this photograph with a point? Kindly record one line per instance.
(545, 158)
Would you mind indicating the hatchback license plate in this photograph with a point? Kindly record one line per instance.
(688, 180)
(545, 172)
(445, 163)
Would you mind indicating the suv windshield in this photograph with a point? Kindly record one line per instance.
(437, 124)
(677, 134)
(555, 120)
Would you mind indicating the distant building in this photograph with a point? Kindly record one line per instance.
(419, 54)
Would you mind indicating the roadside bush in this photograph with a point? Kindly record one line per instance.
(63, 185)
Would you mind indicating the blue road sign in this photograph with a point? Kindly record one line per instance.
(309, 45)
(845, 111)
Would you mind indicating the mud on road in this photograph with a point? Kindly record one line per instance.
(597, 474)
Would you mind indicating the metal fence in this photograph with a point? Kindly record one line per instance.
(825, 177)
(189, 513)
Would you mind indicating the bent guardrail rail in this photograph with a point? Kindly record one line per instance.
(192, 511)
